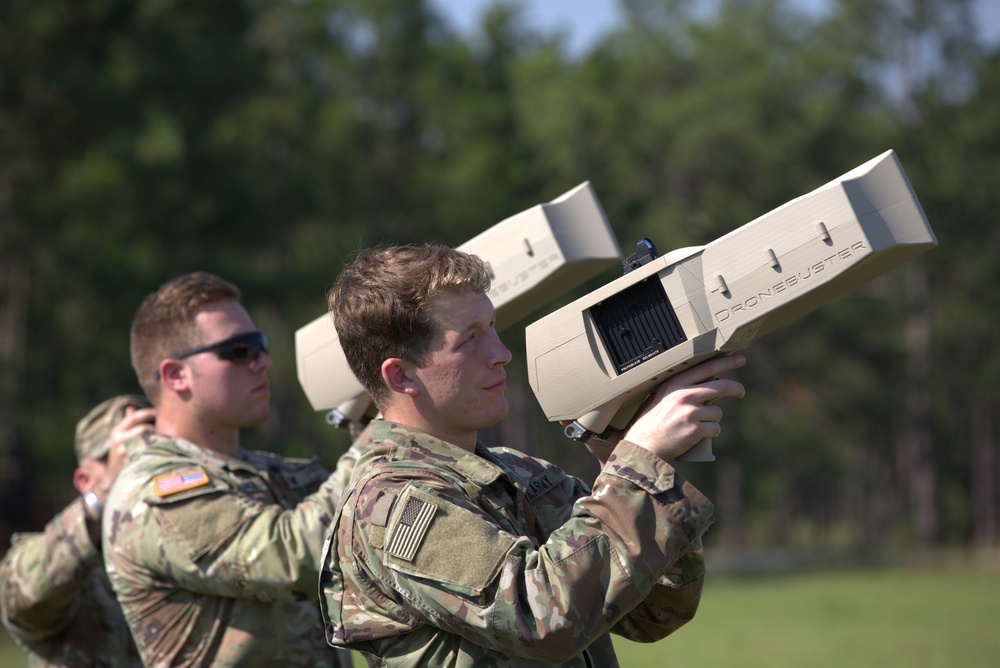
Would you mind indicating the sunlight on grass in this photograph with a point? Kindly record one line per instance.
(834, 620)
(850, 619)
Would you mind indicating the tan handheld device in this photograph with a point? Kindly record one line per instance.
(596, 359)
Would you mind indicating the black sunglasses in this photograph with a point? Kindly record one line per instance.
(240, 348)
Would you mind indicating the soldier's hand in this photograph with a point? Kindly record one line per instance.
(135, 423)
(680, 413)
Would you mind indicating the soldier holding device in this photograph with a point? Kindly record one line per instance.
(444, 552)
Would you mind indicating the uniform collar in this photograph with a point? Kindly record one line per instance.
(208, 457)
(480, 466)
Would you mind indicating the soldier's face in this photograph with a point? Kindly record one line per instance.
(228, 393)
(464, 381)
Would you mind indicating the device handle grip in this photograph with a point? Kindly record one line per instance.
(699, 452)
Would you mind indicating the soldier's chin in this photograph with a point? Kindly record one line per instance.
(258, 417)
(497, 415)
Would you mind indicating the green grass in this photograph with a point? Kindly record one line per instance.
(850, 619)
(10, 655)
(877, 619)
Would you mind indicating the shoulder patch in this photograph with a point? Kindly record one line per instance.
(165, 485)
(435, 538)
(410, 528)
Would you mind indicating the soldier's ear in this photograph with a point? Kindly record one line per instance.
(82, 480)
(175, 375)
(398, 375)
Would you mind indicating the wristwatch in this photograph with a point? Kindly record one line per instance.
(93, 503)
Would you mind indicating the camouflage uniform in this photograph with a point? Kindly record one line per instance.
(348, 461)
(215, 559)
(442, 557)
(56, 599)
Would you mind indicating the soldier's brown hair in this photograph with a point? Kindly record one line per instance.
(379, 305)
(164, 323)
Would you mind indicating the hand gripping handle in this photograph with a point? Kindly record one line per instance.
(699, 452)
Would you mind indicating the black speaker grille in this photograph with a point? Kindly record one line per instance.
(637, 324)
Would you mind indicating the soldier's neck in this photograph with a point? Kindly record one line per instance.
(224, 440)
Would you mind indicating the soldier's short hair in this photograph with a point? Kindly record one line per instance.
(164, 323)
(380, 301)
(93, 431)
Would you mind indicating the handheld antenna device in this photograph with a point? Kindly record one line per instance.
(595, 360)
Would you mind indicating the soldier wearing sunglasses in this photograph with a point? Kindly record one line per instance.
(213, 550)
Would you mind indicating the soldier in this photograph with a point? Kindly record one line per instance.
(214, 551)
(447, 553)
(56, 599)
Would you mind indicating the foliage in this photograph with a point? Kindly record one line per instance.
(266, 141)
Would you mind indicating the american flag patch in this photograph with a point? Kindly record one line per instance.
(410, 529)
(178, 482)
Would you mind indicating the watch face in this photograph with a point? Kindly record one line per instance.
(93, 504)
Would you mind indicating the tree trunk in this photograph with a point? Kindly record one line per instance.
(730, 493)
(982, 472)
(14, 282)
(915, 445)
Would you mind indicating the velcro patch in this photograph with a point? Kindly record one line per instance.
(462, 548)
(166, 485)
(380, 513)
(407, 534)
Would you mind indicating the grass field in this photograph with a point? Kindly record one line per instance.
(876, 619)
(947, 618)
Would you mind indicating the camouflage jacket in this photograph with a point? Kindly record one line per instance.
(442, 557)
(57, 601)
(215, 559)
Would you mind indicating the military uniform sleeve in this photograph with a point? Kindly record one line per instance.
(671, 603)
(215, 539)
(43, 573)
(673, 600)
(546, 602)
(346, 464)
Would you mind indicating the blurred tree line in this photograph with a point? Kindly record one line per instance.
(265, 141)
